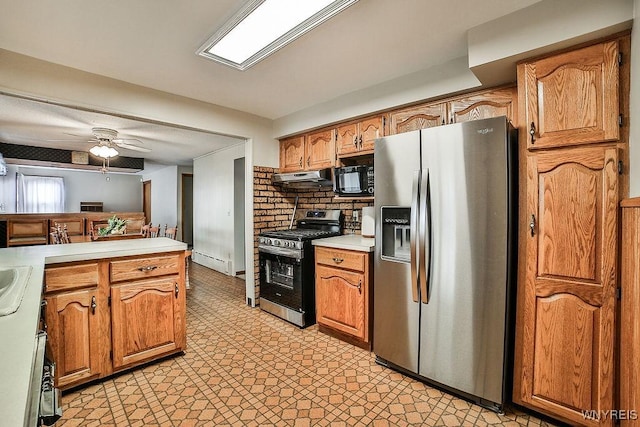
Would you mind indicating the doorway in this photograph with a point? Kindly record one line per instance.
(238, 217)
(187, 209)
(146, 200)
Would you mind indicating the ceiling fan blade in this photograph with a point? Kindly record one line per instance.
(117, 140)
(132, 147)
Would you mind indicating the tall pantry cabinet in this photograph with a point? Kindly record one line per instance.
(572, 109)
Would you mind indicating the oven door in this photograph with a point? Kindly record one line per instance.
(281, 280)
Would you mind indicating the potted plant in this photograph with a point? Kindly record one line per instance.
(115, 225)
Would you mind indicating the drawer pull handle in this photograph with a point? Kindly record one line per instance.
(148, 268)
(93, 305)
(337, 260)
(177, 290)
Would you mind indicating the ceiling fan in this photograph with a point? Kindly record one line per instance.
(109, 138)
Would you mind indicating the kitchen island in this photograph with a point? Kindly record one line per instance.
(18, 330)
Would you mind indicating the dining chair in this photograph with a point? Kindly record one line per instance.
(170, 232)
(154, 231)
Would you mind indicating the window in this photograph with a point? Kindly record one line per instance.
(44, 194)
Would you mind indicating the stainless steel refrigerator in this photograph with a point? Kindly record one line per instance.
(446, 214)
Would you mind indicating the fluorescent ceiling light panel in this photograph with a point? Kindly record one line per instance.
(264, 26)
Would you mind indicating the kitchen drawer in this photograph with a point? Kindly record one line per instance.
(70, 277)
(142, 268)
(341, 258)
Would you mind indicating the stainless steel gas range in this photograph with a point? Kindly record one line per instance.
(287, 278)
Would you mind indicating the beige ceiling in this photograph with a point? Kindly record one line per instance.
(152, 43)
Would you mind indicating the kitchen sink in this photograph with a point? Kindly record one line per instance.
(13, 282)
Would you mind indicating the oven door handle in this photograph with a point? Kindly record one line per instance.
(291, 253)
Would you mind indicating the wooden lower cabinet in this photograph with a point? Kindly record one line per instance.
(565, 343)
(97, 327)
(73, 326)
(343, 294)
(145, 320)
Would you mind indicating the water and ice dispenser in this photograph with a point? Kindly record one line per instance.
(396, 233)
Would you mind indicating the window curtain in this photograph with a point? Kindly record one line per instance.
(40, 194)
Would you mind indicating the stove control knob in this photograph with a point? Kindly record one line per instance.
(267, 241)
(276, 243)
(288, 244)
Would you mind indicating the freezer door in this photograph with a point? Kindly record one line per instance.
(395, 302)
(463, 322)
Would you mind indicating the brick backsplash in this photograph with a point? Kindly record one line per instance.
(273, 206)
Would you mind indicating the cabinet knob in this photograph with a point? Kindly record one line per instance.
(176, 289)
(355, 141)
(148, 268)
(532, 132)
(300, 161)
(337, 260)
(309, 161)
(93, 304)
(359, 286)
(360, 142)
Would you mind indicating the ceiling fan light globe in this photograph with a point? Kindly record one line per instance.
(103, 151)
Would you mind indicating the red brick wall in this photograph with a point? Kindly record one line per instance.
(272, 209)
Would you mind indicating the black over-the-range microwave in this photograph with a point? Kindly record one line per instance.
(353, 180)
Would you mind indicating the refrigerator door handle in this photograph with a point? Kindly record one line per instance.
(413, 234)
(425, 237)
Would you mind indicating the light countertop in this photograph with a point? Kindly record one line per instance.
(352, 242)
(18, 330)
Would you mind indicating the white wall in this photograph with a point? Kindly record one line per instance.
(164, 196)
(122, 193)
(634, 129)
(213, 208)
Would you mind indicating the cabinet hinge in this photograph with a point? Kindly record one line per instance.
(620, 167)
(620, 120)
(619, 58)
(111, 354)
(384, 122)
(109, 301)
(619, 293)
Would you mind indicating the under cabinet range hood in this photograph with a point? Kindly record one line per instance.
(306, 179)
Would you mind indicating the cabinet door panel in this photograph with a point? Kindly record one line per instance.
(566, 360)
(340, 300)
(291, 154)
(72, 324)
(566, 330)
(370, 129)
(320, 150)
(415, 118)
(483, 106)
(573, 98)
(145, 323)
(347, 139)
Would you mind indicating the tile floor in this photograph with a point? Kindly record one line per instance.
(246, 367)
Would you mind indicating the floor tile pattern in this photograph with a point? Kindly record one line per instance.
(244, 367)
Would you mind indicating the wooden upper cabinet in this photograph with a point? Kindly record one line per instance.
(495, 103)
(565, 360)
(320, 150)
(419, 117)
(358, 138)
(292, 154)
(571, 98)
(347, 139)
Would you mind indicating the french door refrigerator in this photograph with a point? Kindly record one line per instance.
(446, 215)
